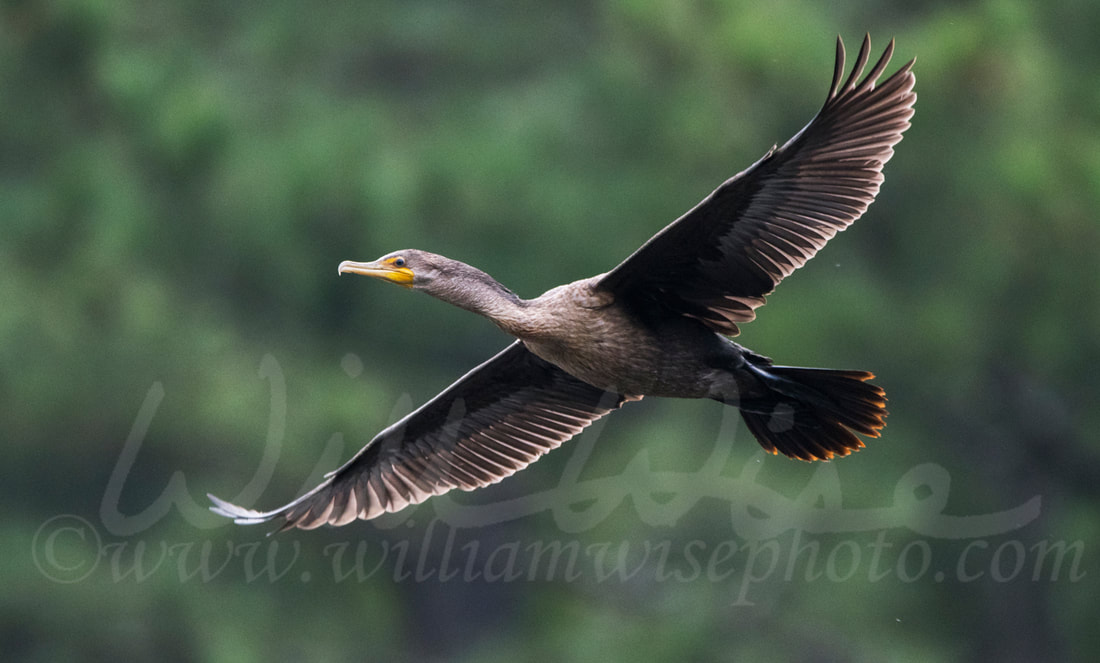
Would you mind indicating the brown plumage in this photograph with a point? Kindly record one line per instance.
(653, 326)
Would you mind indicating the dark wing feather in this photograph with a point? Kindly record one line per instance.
(717, 262)
(494, 421)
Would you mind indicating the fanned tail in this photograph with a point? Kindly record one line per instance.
(814, 413)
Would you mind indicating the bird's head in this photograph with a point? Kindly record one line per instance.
(449, 280)
(410, 268)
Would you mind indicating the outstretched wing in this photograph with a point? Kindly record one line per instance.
(717, 262)
(497, 419)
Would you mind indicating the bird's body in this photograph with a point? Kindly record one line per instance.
(654, 326)
(584, 332)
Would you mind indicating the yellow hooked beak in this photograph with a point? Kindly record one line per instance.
(390, 269)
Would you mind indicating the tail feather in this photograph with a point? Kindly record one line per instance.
(814, 413)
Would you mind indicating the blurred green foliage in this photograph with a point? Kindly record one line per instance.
(178, 182)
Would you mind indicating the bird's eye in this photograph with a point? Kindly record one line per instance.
(398, 262)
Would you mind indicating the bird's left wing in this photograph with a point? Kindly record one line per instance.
(717, 262)
(494, 421)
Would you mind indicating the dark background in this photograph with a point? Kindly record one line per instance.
(179, 180)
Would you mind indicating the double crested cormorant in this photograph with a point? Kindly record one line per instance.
(655, 325)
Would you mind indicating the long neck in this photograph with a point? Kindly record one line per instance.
(472, 289)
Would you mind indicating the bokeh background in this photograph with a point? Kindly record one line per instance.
(179, 180)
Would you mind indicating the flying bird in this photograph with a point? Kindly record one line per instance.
(655, 325)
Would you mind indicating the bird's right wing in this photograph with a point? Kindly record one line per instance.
(494, 421)
(717, 262)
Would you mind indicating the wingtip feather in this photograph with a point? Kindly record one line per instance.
(237, 514)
